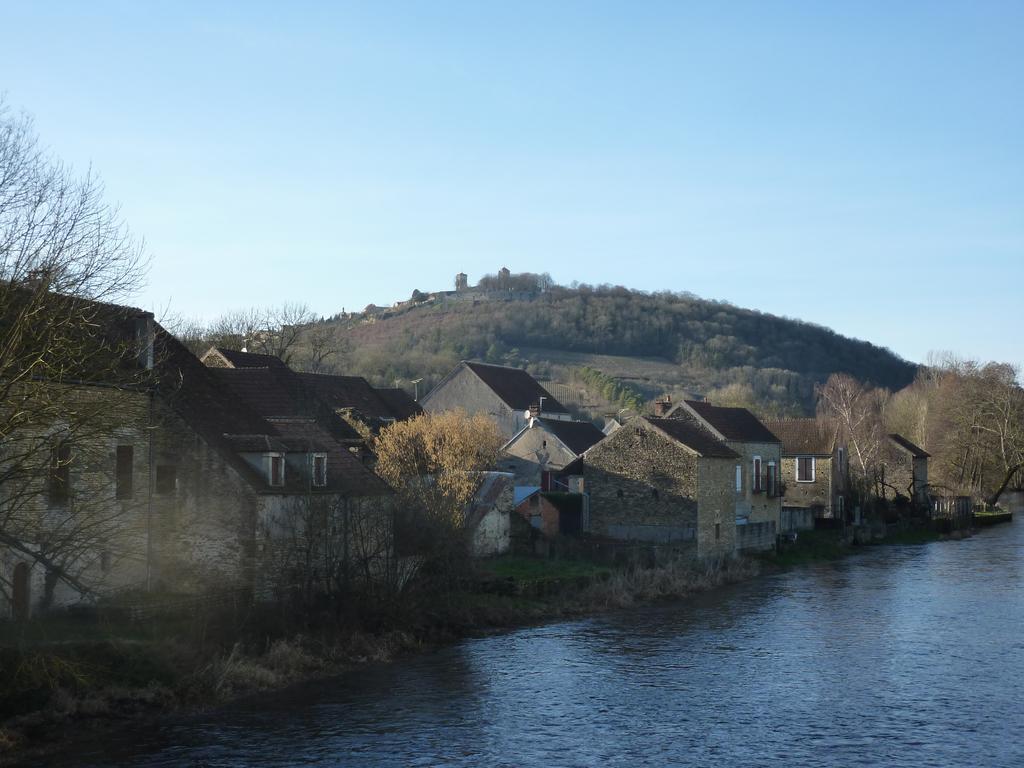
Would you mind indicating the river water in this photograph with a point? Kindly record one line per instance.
(897, 656)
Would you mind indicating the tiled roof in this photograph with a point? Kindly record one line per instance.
(348, 392)
(804, 437)
(737, 424)
(279, 393)
(902, 442)
(694, 437)
(253, 410)
(516, 388)
(222, 357)
(577, 436)
(241, 359)
(400, 403)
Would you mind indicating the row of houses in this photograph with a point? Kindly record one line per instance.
(206, 471)
(694, 474)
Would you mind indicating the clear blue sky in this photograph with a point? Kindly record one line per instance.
(855, 164)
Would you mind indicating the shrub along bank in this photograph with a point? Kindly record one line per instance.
(102, 668)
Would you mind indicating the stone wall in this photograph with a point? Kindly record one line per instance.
(796, 519)
(644, 486)
(818, 493)
(755, 537)
(760, 507)
(186, 524)
(639, 477)
(904, 474)
(716, 519)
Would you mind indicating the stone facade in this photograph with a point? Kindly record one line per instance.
(533, 451)
(817, 494)
(760, 506)
(168, 512)
(465, 391)
(644, 485)
(902, 472)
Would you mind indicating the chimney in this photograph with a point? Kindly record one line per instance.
(534, 411)
(662, 406)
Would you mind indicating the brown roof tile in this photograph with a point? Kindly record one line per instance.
(804, 437)
(238, 359)
(577, 436)
(516, 388)
(694, 437)
(400, 403)
(352, 392)
(737, 424)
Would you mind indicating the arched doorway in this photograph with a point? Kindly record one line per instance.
(21, 592)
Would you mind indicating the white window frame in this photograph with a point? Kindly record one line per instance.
(739, 478)
(814, 469)
(755, 474)
(319, 480)
(772, 479)
(270, 469)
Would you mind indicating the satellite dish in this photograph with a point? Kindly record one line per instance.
(526, 414)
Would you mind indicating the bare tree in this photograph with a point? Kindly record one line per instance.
(65, 254)
(325, 547)
(858, 411)
(276, 331)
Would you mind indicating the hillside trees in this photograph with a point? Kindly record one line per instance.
(968, 415)
(714, 344)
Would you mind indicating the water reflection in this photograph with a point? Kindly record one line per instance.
(901, 656)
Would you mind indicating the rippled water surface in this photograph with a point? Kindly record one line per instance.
(900, 656)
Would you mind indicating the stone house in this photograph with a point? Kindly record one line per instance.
(756, 483)
(544, 447)
(488, 515)
(510, 396)
(903, 470)
(664, 481)
(814, 471)
(194, 490)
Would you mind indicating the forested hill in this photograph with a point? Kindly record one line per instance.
(679, 341)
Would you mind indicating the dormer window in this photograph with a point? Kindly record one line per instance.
(319, 470)
(275, 469)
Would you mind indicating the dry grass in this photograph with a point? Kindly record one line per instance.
(677, 579)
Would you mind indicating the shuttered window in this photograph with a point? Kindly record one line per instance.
(124, 478)
(805, 469)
